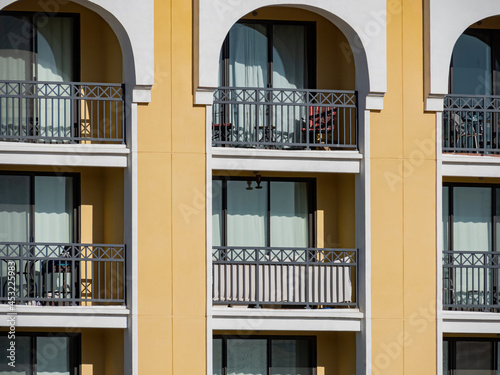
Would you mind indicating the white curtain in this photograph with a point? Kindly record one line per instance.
(472, 226)
(14, 208)
(472, 222)
(52, 356)
(248, 63)
(55, 64)
(23, 356)
(246, 357)
(246, 214)
(289, 214)
(53, 209)
(15, 64)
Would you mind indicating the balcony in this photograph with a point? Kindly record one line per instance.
(292, 119)
(471, 124)
(470, 280)
(284, 277)
(62, 274)
(62, 112)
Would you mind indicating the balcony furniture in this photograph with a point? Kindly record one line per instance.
(67, 274)
(287, 113)
(293, 278)
(471, 124)
(221, 132)
(319, 125)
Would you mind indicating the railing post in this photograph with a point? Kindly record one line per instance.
(257, 278)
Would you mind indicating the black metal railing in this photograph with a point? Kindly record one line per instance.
(284, 276)
(285, 118)
(62, 274)
(62, 112)
(471, 124)
(470, 280)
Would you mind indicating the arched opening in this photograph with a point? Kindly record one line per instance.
(286, 80)
(60, 76)
(471, 120)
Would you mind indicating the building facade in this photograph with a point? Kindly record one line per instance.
(249, 187)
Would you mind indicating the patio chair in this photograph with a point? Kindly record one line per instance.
(318, 129)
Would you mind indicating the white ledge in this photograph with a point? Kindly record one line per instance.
(82, 155)
(227, 158)
(226, 318)
(470, 322)
(467, 165)
(65, 316)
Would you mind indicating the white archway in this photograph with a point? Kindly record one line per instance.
(132, 23)
(444, 31)
(363, 22)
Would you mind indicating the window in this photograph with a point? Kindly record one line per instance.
(476, 356)
(43, 49)
(475, 64)
(470, 243)
(41, 354)
(267, 213)
(269, 54)
(469, 217)
(38, 207)
(261, 355)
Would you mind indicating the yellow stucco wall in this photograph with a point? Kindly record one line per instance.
(403, 191)
(171, 185)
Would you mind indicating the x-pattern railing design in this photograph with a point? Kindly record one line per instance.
(470, 280)
(62, 274)
(62, 112)
(471, 124)
(284, 118)
(294, 277)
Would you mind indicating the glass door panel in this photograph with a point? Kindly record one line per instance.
(16, 63)
(53, 356)
(14, 208)
(471, 64)
(22, 357)
(474, 358)
(217, 213)
(246, 357)
(55, 61)
(289, 214)
(472, 225)
(248, 58)
(290, 357)
(53, 209)
(246, 214)
(217, 357)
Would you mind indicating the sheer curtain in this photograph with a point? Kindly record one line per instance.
(248, 62)
(289, 214)
(472, 226)
(53, 209)
(52, 356)
(246, 214)
(246, 357)
(16, 60)
(55, 64)
(289, 64)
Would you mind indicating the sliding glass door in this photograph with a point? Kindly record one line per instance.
(262, 355)
(44, 49)
(272, 214)
(267, 54)
(471, 229)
